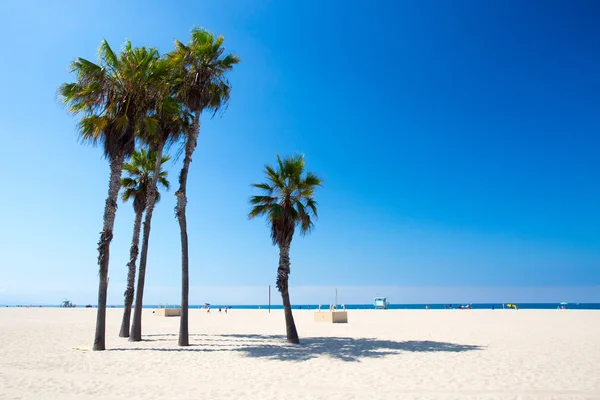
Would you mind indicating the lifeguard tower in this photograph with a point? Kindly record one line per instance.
(380, 303)
(66, 304)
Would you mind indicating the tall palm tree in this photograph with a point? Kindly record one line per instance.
(201, 85)
(114, 97)
(287, 202)
(140, 170)
(172, 120)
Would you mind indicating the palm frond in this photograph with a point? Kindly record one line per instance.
(129, 193)
(162, 180)
(92, 127)
(275, 177)
(107, 55)
(128, 182)
(264, 187)
(263, 200)
(257, 210)
(312, 180)
(312, 204)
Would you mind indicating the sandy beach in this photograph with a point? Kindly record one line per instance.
(479, 354)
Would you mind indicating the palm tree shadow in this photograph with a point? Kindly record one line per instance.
(347, 349)
(275, 347)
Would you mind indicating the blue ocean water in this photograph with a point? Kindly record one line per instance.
(474, 306)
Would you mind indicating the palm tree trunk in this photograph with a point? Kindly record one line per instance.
(110, 211)
(190, 146)
(283, 273)
(136, 328)
(129, 291)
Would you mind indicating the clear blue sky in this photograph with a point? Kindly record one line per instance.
(458, 142)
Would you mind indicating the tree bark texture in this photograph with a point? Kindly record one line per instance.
(283, 272)
(130, 290)
(110, 211)
(190, 146)
(136, 328)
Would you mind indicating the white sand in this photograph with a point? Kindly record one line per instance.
(479, 354)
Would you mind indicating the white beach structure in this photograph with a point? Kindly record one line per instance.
(381, 303)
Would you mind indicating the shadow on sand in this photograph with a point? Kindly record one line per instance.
(274, 347)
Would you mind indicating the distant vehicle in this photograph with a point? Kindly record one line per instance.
(381, 303)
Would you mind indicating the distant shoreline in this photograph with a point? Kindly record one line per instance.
(474, 306)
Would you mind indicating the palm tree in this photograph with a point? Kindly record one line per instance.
(287, 202)
(114, 97)
(172, 120)
(201, 84)
(140, 170)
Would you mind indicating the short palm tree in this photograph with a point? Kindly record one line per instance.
(114, 97)
(140, 170)
(201, 85)
(287, 203)
(172, 119)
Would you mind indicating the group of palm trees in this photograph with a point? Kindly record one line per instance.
(134, 104)
(141, 96)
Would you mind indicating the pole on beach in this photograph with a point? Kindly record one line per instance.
(335, 298)
(269, 299)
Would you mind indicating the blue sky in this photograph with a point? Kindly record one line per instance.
(458, 142)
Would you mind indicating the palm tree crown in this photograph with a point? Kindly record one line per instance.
(140, 170)
(201, 70)
(287, 200)
(114, 95)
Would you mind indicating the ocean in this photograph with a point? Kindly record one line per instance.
(474, 306)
